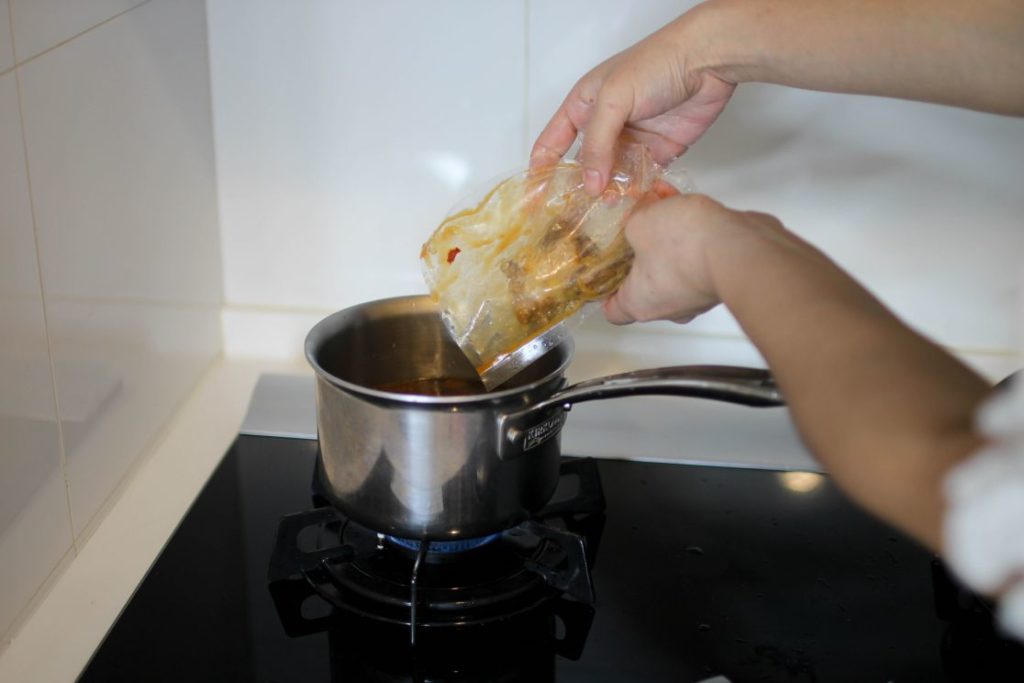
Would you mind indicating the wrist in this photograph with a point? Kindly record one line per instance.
(711, 244)
(739, 246)
(717, 39)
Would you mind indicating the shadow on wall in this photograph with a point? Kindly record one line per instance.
(769, 136)
(750, 128)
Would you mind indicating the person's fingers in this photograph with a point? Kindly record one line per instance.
(555, 140)
(610, 112)
(613, 311)
(572, 115)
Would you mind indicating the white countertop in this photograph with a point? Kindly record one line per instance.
(56, 641)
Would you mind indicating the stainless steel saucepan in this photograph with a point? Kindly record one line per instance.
(465, 465)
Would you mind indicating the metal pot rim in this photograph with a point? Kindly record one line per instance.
(319, 333)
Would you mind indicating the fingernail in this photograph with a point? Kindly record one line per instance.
(592, 181)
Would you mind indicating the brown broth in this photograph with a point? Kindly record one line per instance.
(437, 386)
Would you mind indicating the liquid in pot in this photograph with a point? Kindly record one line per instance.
(437, 386)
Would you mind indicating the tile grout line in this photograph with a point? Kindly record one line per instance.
(64, 42)
(10, 32)
(61, 446)
(129, 301)
(145, 453)
(24, 614)
(216, 166)
(279, 309)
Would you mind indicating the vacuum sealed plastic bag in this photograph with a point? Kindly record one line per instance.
(513, 272)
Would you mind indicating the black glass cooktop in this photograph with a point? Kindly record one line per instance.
(698, 572)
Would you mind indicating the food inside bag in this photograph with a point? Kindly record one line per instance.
(508, 272)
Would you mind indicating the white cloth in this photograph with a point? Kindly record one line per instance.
(984, 525)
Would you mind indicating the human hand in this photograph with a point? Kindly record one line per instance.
(659, 89)
(674, 241)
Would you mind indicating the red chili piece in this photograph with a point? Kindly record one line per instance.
(452, 253)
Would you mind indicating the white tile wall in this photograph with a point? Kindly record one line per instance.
(41, 24)
(345, 132)
(6, 45)
(119, 137)
(122, 369)
(34, 527)
(118, 129)
(920, 202)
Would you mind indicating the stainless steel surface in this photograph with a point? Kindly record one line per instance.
(444, 466)
(747, 386)
(281, 406)
(422, 466)
(518, 360)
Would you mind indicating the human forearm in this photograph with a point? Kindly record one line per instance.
(968, 54)
(885, 410)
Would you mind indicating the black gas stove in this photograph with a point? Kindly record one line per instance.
(635, 572)
(420, 599)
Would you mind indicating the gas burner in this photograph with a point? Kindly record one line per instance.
(537, 570)
(444, 547)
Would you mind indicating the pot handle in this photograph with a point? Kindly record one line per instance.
(747, 386)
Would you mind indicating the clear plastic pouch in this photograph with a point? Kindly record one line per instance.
(513, 273)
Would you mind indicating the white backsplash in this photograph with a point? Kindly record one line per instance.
(345, 131)
(110, 276)
(35, 528)
(339, 154)
(917, 201)
(43, 24)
